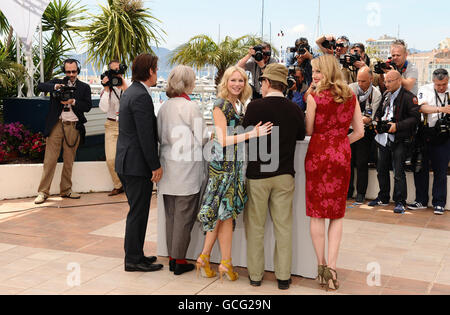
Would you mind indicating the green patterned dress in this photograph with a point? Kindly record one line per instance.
(225, 194)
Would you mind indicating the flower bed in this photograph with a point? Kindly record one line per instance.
(19, 145)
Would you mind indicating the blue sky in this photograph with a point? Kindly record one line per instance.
(423, 24)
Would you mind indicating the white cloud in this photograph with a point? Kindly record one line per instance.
(298, 29)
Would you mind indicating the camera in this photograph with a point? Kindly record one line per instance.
(291, 80)
(64, 94)
(380, 66)
(383, 126)
(348, 60)
(329, 44)
(113, 76)
(259, 54)
(443, 127)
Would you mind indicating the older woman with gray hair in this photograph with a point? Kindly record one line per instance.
(180, 129)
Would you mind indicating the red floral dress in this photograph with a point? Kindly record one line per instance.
(327, 162)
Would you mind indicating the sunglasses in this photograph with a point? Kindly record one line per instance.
(70, 72)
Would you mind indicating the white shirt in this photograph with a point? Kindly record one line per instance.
(388, 115)
(427, 96)
(110, 102)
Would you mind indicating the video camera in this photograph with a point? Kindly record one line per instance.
(348, 60)
(380, 66)
(113, 76)
(259, 54)
(65, 93)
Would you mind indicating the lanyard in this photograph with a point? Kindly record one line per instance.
(441, 103)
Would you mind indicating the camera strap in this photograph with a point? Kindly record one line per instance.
(440, 103)
(115, 93)
(65, 137)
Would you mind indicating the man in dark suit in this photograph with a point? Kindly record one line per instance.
(400, 110)
(137, 161)
(64, 126)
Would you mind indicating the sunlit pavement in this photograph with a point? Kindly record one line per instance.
(76, 247)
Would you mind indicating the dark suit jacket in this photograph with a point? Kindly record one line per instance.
(137, 145)
(83, 104)
(406, 113)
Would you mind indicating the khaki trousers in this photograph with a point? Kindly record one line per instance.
(277, 194)
(111, 135)
(52, 152)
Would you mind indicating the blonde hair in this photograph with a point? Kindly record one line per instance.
(333, 78)
(181, 80)
(223, 90)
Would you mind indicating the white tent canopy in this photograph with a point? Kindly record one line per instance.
(24, 16)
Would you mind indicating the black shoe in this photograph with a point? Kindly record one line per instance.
(182, 268)
(284, 284)
(255, 283)
(142, 267)
(359, 199)
(149, 260)
(172, 264)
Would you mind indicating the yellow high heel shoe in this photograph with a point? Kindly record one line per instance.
(204, 268)
(226, 268)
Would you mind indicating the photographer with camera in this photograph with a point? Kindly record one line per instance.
(369, 98)
(69, 100)
(399, 62)
(301, 56)
(255, 62)
(396, 122)
(114, 86)
(297, 86)
(434, 102)
(339, 48)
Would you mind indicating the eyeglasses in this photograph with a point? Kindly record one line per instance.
(70, 72)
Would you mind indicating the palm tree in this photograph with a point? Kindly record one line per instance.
(122, 31)
(11, 74)
(59, 20)
(201, 51)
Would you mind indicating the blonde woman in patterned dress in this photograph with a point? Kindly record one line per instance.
(225, 194)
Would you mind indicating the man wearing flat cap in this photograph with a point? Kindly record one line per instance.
(270, 175)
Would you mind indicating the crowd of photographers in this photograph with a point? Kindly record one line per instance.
(404, 126)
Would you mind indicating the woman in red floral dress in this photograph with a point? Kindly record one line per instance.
(331, 109)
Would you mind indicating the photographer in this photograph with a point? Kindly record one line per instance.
(434, 104)
(369, 98)
(400, 63)
(329, 45)
(69, 100)
(397, 119)
(114, 86)
(255, 62)
(297, 87)
(301, 56)
(339, 48)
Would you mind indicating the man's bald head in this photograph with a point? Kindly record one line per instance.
(393, 80)
(365, 77)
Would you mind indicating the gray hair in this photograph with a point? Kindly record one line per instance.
(181, 80)
(440, 74)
